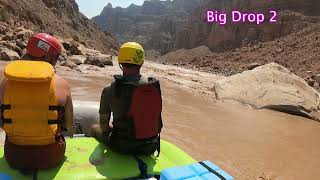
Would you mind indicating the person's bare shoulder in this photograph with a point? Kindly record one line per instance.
(2, 86)
(61, 83)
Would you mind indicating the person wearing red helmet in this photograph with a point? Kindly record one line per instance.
(45, 47)
(29, 85)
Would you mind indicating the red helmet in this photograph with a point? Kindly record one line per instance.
(42, 44)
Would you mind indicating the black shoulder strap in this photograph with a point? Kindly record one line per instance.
(117, 77)
(151, 78)
(120, 82)
(156, 83)
(153, 81)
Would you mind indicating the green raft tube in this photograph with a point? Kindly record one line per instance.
(87, 159)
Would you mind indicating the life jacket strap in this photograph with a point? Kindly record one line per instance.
(6, 121)
(60, 120)
(5, 107)
(57, 108)
(54, 121)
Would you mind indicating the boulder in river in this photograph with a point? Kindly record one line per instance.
(69, 64)
(271, 86)
(77, 59)
(94, 60)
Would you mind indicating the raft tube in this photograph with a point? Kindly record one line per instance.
(87, 159)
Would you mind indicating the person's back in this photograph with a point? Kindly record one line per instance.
(136, 105)
(36, 107)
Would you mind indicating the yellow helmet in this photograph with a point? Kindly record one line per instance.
(131, 53)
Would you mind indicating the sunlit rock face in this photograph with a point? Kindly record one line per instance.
(169, 25)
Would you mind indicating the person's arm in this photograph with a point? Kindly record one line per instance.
(105, 111)
(68, 116)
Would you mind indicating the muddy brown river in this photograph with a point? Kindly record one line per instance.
(249, 144)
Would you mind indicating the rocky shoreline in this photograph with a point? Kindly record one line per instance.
(14, 38)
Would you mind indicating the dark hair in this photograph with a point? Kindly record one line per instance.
(130, 65)
(29, 57)
(32, 58)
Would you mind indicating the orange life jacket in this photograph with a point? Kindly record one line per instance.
(29, 109)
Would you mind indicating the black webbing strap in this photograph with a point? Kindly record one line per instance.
(58, 121)
(56, 108)
(158, 145)
(5, 106)
(143, 168)
(6, 121)
(213, 171)
(54, 121)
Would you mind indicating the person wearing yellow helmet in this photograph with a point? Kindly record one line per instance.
(131, 53)
(135, 104)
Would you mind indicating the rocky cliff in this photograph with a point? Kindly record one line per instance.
(299, 52)
(59, 17)
(165, 26)
(293, 15)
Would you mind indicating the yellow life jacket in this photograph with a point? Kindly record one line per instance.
(30, 111)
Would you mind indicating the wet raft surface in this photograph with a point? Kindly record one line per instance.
(87, 159)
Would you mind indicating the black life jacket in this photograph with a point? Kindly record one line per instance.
(140, 120)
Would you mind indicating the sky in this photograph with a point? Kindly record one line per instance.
(92, 8)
